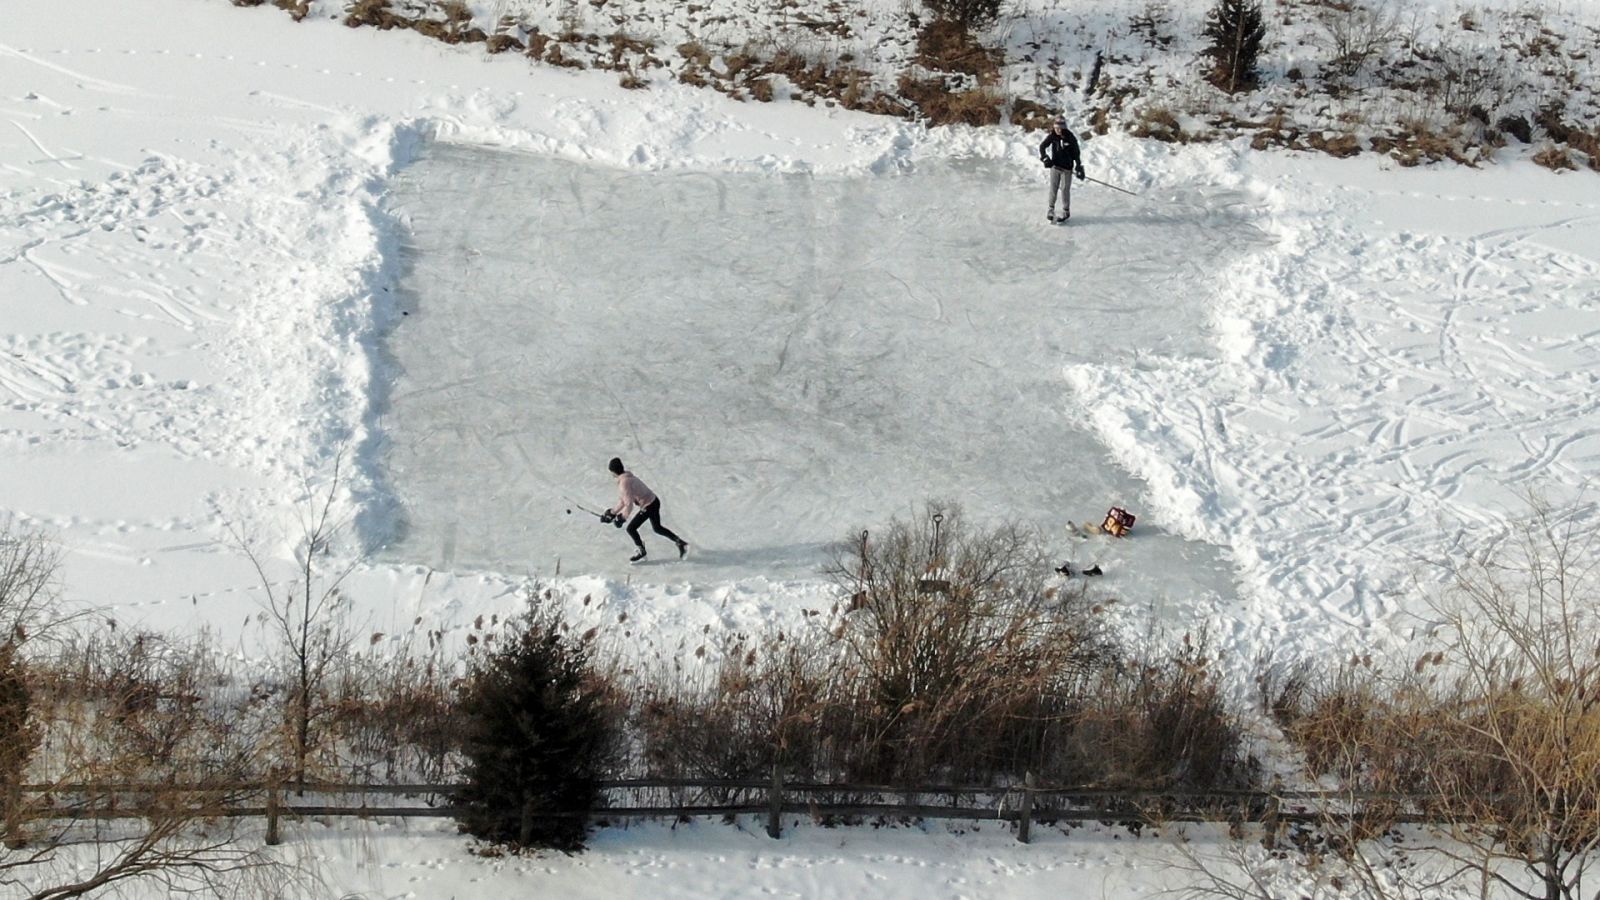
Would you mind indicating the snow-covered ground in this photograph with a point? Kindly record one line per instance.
(1309, 377)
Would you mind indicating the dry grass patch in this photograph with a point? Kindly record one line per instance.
(941, 106)
(1495, 736)
(1157, 122)
(1555, 158)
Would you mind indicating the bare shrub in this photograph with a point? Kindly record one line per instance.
(1355, 32)
(1157, 722)
(393, 716)
(1153, 22)
(19, 737)
(28, 590)
(1469, 80)
(1497, 733)
(307, 622)
(953, 661)
(939, 105)
(756, 705)
(1156, 122)
(958, 647)
(119, 711)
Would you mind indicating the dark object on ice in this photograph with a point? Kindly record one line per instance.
(1093, 570)
(637, 557)
(1064, 569)
(1118, 522)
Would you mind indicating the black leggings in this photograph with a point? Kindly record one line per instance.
(652, 514)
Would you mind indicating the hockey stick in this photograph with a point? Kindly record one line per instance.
(1110, 185)
(580, 506)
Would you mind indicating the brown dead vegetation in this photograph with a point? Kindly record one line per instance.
(954, 79)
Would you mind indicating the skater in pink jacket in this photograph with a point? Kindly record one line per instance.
(637, 500)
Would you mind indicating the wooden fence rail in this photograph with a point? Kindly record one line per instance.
(1022, 804)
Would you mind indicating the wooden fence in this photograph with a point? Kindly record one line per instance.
(1023, 804)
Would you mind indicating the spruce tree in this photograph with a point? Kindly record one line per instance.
(1236, 30)
(966, 14)
(19, 736)
(536, 739)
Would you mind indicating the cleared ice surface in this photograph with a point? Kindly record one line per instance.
(784, 359)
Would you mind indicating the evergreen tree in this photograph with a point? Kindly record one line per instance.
(1236, 29)
(536, 738)
(966, 14)
(19, 736)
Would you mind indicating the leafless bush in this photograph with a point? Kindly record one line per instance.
(28, 589)
(1154, 22)
(967, 664)
(1155, 722)
(112, 711)
(392, 716)
(307, 622)
(1497, 733)
(755, 705)
(1465, 82)
(1357, 31)
(952, 661)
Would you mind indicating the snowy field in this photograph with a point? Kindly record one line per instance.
(234, 249)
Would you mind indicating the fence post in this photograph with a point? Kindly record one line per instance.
(775, 802)
(1270, 822)
(272, 815)
(1025, 817)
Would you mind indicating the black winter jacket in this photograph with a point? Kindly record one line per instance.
(1060, 151)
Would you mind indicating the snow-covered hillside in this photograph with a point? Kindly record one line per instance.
(1418, 82)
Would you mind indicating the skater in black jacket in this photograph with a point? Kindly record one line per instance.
(1059, 152)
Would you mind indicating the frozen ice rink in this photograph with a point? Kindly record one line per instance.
(785, 359)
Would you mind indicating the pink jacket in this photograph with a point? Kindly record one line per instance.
(631, 494)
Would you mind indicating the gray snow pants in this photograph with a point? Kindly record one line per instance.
(1061, 182)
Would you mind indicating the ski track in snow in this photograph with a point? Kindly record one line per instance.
(1400, 397)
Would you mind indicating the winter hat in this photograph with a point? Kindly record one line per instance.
(615, 465)
(1061, 121)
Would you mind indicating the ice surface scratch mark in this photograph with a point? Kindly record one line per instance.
(637, 444)
(783, 354)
